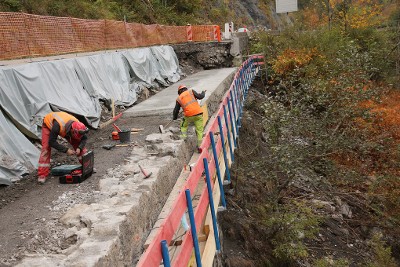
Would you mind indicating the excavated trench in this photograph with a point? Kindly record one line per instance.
(110, 226)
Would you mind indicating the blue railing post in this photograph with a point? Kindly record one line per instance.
(249, 75)
(211, 201)
(240, 113)
(236, 115)
(229, 134)
(165, 253)
(233, 125)
(217, 168)
(234, 110)
(235, 92)
(221, 130)
(193, 228)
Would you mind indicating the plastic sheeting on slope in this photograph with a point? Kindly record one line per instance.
(17, 154)
(143, 66)
(28, 92)
(106, 76)
(167, 63)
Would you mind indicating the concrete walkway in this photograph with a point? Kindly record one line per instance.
(163, 102)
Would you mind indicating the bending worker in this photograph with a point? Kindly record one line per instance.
(187, 100)
(67, 126)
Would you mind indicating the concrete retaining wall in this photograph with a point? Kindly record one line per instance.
(240, 43)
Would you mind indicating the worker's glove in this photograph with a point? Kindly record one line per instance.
(70, 152)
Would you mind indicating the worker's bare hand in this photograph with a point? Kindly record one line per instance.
(70, 152)
(78, 151)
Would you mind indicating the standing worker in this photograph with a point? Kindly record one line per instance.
(67, 126)
(187, 100)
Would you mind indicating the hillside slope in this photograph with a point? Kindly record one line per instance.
(250, 13)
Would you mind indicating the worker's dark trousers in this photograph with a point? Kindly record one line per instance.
(45, 154)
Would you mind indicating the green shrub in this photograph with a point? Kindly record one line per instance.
(382, 253)
(291, 224)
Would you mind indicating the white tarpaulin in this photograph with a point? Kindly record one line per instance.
(18, 156)
(284, 6)
(143, 66)
(167, 63)
(106, 76)
(28, 92)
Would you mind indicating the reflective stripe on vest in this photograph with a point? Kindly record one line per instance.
(61, 117)
(189, 103)
(44, 165)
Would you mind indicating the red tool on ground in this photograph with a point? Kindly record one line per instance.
(81, 174)
(146, 175)
(116, 127)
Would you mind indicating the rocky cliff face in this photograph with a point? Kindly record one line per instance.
(259, 14)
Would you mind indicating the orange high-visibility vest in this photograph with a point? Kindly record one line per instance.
(61, 117)
(189, 103)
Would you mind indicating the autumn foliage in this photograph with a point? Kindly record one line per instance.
(344, 14)
(387, 115)
(291, 59)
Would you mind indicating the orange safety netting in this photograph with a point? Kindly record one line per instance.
(13, 36)
(26, 35)
(203, 33)
(89, 34)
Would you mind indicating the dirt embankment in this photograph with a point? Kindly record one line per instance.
(335, 225)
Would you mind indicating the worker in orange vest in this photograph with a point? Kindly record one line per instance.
(67, 126)
(187, 100)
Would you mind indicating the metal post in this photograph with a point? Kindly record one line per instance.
(211, 201)
(229, 135)
(228, 174)
(233, 125)
(247, 78)
(193, 228)
(234, 107)
(240, 114)
(165, 253)
(218, 171)
(236, 94)
(236, 115)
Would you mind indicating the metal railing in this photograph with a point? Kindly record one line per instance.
(224, 126)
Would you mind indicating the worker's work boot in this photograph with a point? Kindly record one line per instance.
(41, 180)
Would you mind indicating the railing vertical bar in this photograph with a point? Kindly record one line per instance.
(234, 114)
(193, 228)
(229, 135)
(233, 125)
(211, 200)
(165, 253)
(221, 130)
(221, 187)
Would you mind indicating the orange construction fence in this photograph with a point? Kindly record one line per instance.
(26, 35)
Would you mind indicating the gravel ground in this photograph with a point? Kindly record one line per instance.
(30, 212)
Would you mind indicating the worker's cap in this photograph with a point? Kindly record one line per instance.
(78, 129)
(182, 87)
